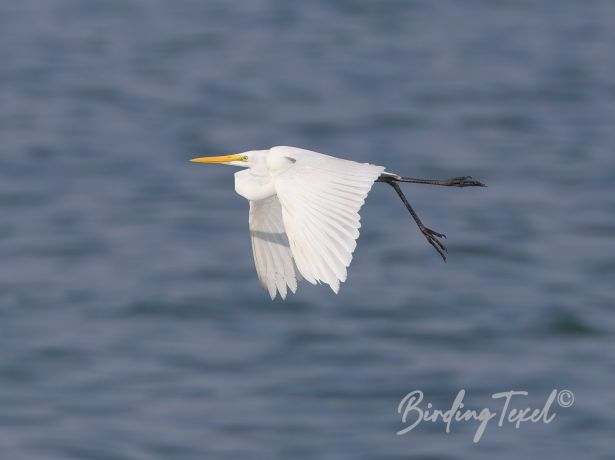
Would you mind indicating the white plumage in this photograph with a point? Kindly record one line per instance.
(320, 197)
(304, 213)
(272, 255)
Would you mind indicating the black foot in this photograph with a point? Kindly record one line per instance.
(464, 181)
(433, 239)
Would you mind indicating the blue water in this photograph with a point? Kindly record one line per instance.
(132, 325)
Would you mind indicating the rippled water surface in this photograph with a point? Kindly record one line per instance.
(132, 325)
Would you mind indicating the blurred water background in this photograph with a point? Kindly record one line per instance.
(132, 325)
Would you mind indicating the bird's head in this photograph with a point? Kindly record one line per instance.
(245, 159)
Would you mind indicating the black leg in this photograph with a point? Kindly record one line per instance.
(431, 235)
(463, 181)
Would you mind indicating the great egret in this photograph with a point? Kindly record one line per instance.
(304, 212)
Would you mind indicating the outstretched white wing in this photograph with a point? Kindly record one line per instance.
(272, 256)
(321, 197)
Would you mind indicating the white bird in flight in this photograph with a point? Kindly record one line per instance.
(304, 212)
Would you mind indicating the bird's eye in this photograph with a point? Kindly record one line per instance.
(244, 158)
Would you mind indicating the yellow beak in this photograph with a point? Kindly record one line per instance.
(221, 159)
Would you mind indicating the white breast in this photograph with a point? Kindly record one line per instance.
(253, 186)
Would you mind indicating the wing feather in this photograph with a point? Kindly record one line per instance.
(321, 197)
(272, 255)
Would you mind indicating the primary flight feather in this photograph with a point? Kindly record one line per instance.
(304, 212)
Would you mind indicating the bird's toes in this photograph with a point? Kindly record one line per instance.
(432, 237)
(439, 248)
(440, 245)
(467, 181)
(434, 233)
